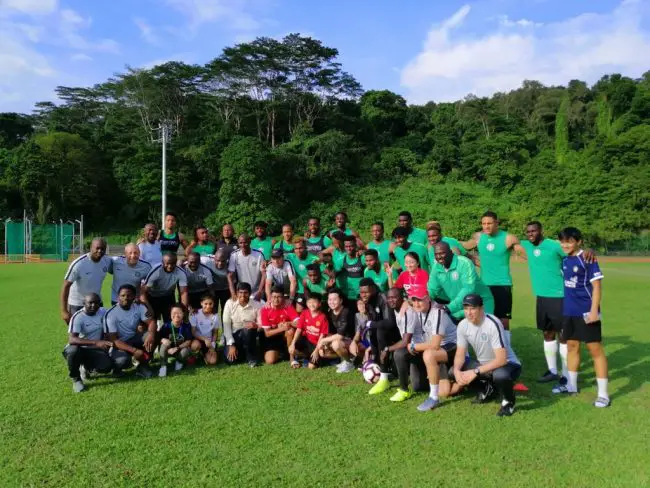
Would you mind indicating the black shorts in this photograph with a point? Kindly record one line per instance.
(161, 307)
(549, 314)
(451, 353)
(305, 347)
(576, 329)
(274, 343)
(502, 301)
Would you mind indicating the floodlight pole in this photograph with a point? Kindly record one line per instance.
(165, 135)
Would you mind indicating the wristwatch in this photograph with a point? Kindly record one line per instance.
(385, 349)
(412, 347)
(477, 371)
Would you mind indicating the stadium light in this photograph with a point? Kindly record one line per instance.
(164, 129)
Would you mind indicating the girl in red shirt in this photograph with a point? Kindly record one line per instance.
(414, 280)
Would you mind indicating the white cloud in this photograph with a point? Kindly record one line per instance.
(29, 7)
(585, 47)
(234, 13)
(80, 57)
(146, 31)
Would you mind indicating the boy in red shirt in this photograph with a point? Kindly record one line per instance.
(312, 327)
(278, 322)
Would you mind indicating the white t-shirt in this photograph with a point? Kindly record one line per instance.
(205, 325)
(125, 322)
(90, 327)
(86, 276)
(123, 274)
(151, 253)
(485, 338)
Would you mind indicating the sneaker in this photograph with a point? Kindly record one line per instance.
(345, 367)
(548, 377)
(143, 372)
(178, 366)
(162, 372)
(561, 388)
(83, 374)
(380, 387)
(428, 404)
(78, 386)
(506, 410)
(401, 395)
(486, 395)
(602, 402)
(253, 364)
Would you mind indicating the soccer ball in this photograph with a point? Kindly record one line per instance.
(370, 372)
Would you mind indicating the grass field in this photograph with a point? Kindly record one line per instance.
(275, 427)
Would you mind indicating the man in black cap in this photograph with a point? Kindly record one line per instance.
(496, 366)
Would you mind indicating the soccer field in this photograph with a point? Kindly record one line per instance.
(271, 426)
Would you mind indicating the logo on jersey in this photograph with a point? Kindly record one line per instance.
(575, 269)
(138, 274)
(490, 247)
(301, 266)
(484, 337)
(454, 275)
(105, 269)
(537, 252)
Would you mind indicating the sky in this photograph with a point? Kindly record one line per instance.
(425, 50)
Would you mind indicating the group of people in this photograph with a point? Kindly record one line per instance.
(415, 305)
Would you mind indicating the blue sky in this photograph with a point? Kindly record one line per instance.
(425, 50)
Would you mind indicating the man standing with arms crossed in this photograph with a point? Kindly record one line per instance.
(85, 275)
(494, 249)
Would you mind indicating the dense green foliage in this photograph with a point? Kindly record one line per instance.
(276, 129)
(272, 426)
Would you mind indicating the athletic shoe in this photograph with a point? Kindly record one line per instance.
(345, 367)
(178, 366)
(78, 386)
(506, 410)
(602, 402)
(401, 395)
(380, 387)
(83, 374)
(253, 364)
(162, 372)
(548, 377)
(428, 404)
(143, 372)
(486, 395)
(562, 388)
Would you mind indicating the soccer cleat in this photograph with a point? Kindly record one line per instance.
(486, 395)
(143, 372)
(548, 377)
(83, 374)
(178, 366)
(428, 404)
(78, 386)
(345, 367)
(602, 402)
(162, 372)
(380, 387)
(401, 395)
(506, 410)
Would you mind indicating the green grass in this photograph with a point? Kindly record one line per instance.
(275, 427)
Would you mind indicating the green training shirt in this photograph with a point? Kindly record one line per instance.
(205, 249)
(495, 259)
(349, 273)
(418, 235)
(300, 268)
(545, 266)
(419, 249)
(265, 246)
(382, 250)
(457, 282)
(380, 279)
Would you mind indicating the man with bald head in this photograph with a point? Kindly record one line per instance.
(128, 270)
(85, 275)
(453, 277)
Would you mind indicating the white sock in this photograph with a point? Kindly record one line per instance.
(434, 391)
(602, 387)
(550, 352)
(564, 353)
(504, 402)
(572, 381)
(383, 376)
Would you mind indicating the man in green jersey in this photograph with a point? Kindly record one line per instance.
(316, 241)
(405, 220)
(376, 272)
(286, 243)
(202, 243)
(349, 270)
(379, 243)
(494, 249)
(454, 277)
(402, 245)
(262, 242)
(434, 236)
(316, 281)
(300, 259)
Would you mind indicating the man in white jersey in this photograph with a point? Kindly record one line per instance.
(86, 345)
(128, 270)
(132, 330)
(199, 280)
(159, 287)
(85, 275)
(280, 273)
(246, 265)
(437, 347)
(496, 366)
(150, 246)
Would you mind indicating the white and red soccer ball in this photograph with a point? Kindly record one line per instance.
(370, 372)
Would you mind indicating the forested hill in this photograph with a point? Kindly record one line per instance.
(277, 130)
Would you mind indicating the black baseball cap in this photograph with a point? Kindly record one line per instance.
(473, 300)
(277, 253)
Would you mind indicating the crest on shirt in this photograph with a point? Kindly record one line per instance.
(301, 266)
(575, 269)
(490, 247)
(318, 323)
(484, 336)
(537, 252)
(137, 274)
(105, 269)
(454, 275)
